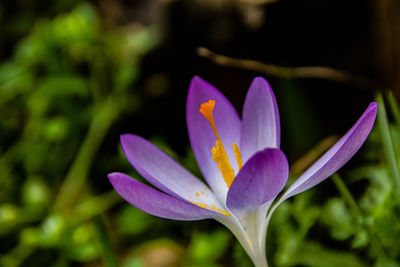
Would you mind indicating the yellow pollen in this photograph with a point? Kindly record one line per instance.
(225, 213)
(197, 194)
(212, 207)
(218, 151)
(218, 209)
(202, 205)
(202, 192)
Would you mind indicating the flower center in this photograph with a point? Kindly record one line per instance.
(218, 151)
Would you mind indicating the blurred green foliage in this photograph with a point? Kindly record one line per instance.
(66, 83)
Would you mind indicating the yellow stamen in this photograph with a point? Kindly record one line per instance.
(197, 194)
(220, 157)
(202, 205)
(238, 156)
(218, 151)
(212, 207)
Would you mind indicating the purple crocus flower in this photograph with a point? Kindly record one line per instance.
(240, 160)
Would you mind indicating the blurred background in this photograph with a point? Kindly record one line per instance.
(75, 74)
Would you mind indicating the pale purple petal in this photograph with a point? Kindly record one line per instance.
(165, 173)
(201, 135)
(337, 155)
(260, 121)
(260, 180)
(155, 202)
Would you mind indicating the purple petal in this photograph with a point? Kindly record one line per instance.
(337, 155)
(260, 122)
(260, 180)
(201, 135)
(155, 202)
(165, 173)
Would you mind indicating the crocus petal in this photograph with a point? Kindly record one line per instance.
(260, 121)
(260, 180)
(165, 173)
(201, 135)
(155, 202)
(337, 155)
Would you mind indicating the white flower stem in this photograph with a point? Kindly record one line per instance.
(249, 242)
(259, 259)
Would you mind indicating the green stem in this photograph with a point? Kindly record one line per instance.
(108, 255)
(346, 194)
(388, 145)
(95, 206)
(348, 197)
(77, 174)
(393, 106)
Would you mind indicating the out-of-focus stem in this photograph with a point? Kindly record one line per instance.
(95, 206)
(300, 165)
(393, 106)
(344, 191)
(77, 174)
(108, 255)
(319, 72)
(348, 197)
(388, 145)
